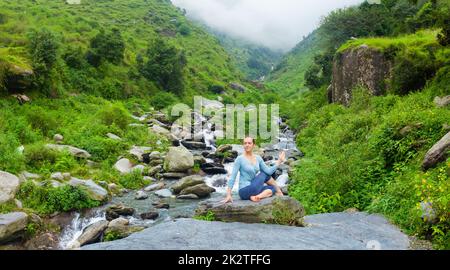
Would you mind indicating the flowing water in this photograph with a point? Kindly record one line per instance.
(178, 208)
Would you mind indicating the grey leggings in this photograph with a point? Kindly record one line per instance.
(256, 187)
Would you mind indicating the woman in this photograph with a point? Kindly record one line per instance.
(251, 184)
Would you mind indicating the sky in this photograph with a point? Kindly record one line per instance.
(277, 24)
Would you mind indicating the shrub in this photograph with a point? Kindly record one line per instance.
(133, 180)
(114, 114)
(37, 154)
(163, 100)
(106, 46)
(10, 158)
(43, 48)
(42, 119)
(46, 199)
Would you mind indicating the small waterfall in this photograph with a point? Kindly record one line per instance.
(71, 233)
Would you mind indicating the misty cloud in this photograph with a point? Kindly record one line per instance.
(277, 24)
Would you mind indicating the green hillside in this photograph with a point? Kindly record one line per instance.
(138, 23)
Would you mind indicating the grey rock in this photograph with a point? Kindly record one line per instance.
(194, 145)
(118, 222)
(139, 151)
(224, 148)
(123, 165)
(9, 185)
(113, 136)
(92, 233)
(280, 210)
(66, 176)
(27, 175)
(174, 175)
(117, 210)
(442, 102)
(141, 195)
(201, 190)
(154, 170)
(12, 226)
(57, 176)
(77, 152)
(94, 191)
(188, 197)
(150, 215)
(139, 168)
(154, 187)
(428, 213)
(335, 231)
(58, 138)
(178, 159)
(437, 153)
(186, 182)
(161, 205)
(238, 87)
(164, 193)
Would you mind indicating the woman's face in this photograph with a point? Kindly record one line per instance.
(248, 144)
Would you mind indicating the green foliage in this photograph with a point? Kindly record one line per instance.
(184, 30)
(112, 236)
(133, 180)
(7, 207)
(43, 48)
(106, 46)
(42, 120)
(47, 200)
(10, 160)
(163, 100)
(114, 114)
(165, 66)
(209, 216)
(37, 155)
(368, 156)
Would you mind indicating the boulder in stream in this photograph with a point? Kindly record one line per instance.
(178, 159)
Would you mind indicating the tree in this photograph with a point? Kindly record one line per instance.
(106, 47)
(43, 48)
(165, 65)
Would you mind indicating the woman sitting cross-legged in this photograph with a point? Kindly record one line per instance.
(254, 174)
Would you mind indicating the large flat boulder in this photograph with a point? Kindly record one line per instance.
(438, 153)
(12, 225)
(336, 231)
(9, 184)
(178, 159)
(278, 210)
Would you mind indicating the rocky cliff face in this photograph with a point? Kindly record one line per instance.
(363, 66)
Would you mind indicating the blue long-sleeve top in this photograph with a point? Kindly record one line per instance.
(248, 171)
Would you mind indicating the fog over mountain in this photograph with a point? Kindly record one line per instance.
(277, 24)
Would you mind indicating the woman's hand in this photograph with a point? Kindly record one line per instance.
(281, 157)
(228, 199)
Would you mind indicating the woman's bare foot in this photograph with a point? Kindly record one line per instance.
(255, 198)
(279, 193)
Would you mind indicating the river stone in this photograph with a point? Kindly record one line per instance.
(186, 182)
(224, 148)
(138, 168)
(43, 241)
(94, 191)
(9, 185)
(123, 165)
(150, 215)
(154, 170)
(93, 232)
(213, 168)
(333, 231)
(141, 195)
(178, 159)
(164, 193)
(12, 226)
(192, 145)
(201, 190)
(188, 197)
(27, 175)
(280, 210)
(118, 222)
(154, 187)
(173, 175)
(437, 153)
(117, 210)
(72, 150)
(161, 205)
